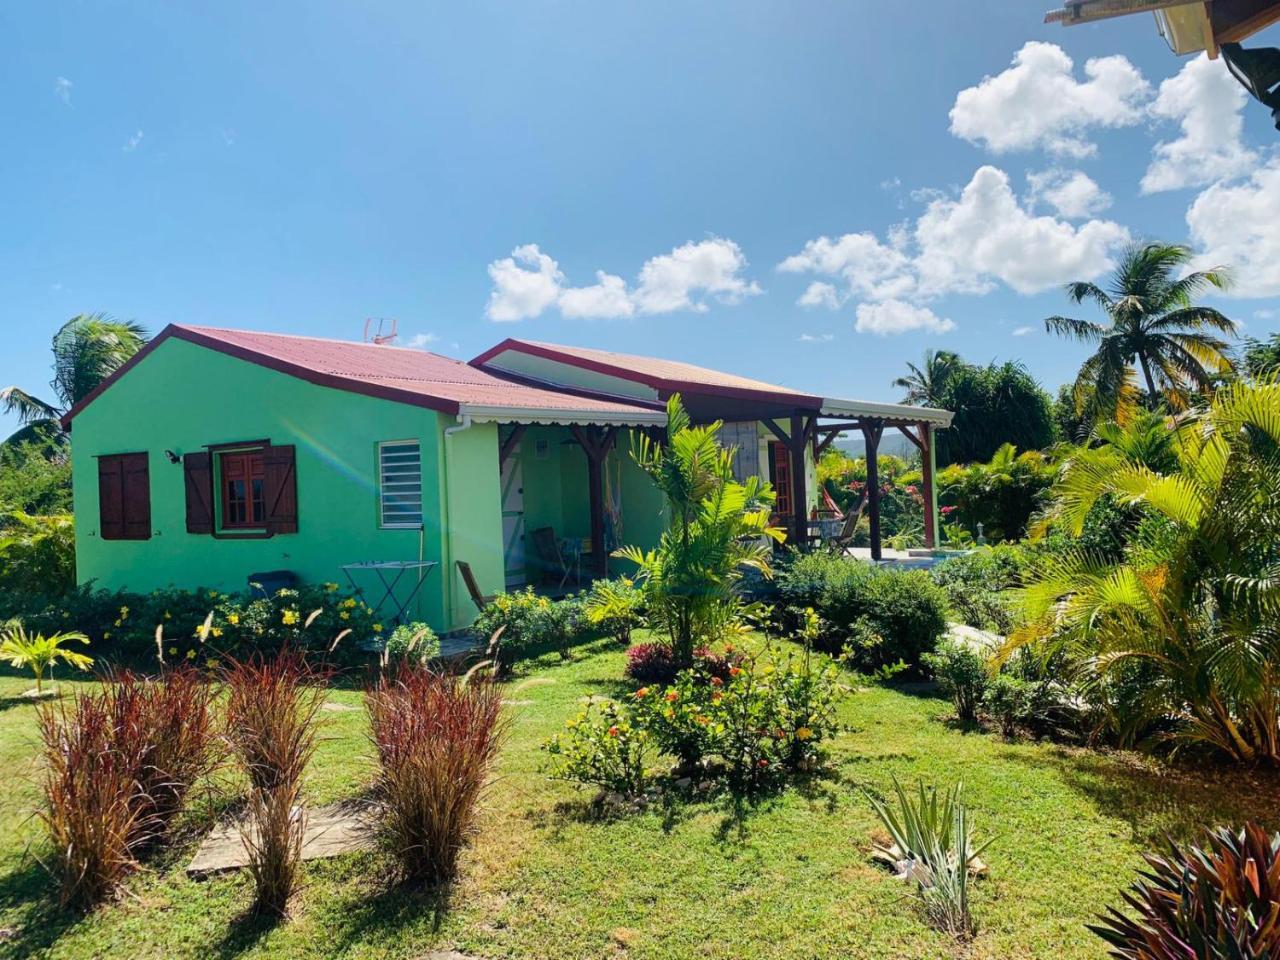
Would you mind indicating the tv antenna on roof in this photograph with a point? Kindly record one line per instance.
(383, 334)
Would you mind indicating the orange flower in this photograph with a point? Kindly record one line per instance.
(717, 697)
(642, 693)
(672, 696)
(734, 671)
(613, 731)
(717, 682)
(702, 719)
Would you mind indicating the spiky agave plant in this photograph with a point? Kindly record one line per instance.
(1221, 899)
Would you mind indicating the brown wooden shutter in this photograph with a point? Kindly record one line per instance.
(137, 496)
(280, 486)
(111, 498)
(198, 475)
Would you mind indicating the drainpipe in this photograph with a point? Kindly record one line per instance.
(446, 531)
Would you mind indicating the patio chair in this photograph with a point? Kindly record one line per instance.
(844, 539)
(469, 578)
(550, 559)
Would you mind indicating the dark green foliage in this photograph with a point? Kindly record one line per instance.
(1072, 425)
(533, 625)
(1013, 702)
(962, 674)
(1219, 900)
(993, 405)
(883, 615)
(35, 478)
(37, 561)
(1262, 357)
(976, 582)
(1001, 494)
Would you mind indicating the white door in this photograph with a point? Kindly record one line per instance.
(513, 520)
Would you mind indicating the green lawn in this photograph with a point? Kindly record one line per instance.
(786, 878)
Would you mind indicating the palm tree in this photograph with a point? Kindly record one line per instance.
(924, 385)
(86, 350)
(1155, 322)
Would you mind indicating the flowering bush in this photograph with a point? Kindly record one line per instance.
(603, 745)
(656, 663)
(615, 607)
(532, 624)
(196, 626)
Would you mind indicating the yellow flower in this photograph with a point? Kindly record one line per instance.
(330, 587)
(191, 654)
(377, 628)
(168, 615)
(233, 618)
(216, 631)
(289, 617)
(349, 603)
(344, 615)
(124, 612)
(213, 594)
(106, 636)
(173, 651)
(804, 733)
(211, 663)
(116, 624)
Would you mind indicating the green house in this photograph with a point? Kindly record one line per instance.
(216, 456)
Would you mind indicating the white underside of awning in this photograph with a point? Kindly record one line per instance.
(612, 418)
(835, 407)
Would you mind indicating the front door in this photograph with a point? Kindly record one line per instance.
(513, 520)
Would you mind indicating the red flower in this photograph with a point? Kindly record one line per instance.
(672, 696)
(716, 682)
(763, 762)
(948, 510)
(911, 488)
(734, 671)
(613, 731)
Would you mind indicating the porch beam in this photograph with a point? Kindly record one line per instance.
(821, 445)
(913, 437)
(513, 440)
(778, 432)
(872, 433)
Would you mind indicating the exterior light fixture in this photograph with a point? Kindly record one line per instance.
(1258, 71)
(172, 457)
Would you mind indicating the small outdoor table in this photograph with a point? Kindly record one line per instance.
(389, 573)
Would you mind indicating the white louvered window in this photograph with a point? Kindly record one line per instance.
(400, 483)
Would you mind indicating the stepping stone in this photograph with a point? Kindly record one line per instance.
(333, 707)
(331, 830)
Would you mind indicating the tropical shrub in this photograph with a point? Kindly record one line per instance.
(411, 642)
(35, 478)
(656, 663)
(87, 804)
(615, 607)
(271, 719)
(934, 847)
(1001, 494)
(962, 674)
(977, 584)
(1215, 900)
(879, 615)
(718, 527)
(37, 559)
(532, 624)
(1195, 593)
(602, 746)
(1012, 701)
(437, 737)
(994, 405)
(38, 653)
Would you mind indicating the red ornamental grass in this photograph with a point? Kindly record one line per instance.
(272, 709)
(436, 738)
(89, 807)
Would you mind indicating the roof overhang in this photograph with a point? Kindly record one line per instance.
(1188, 25)
(612, 418)
(895, 412)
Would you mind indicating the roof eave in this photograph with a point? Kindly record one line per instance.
(835, 407)
(543, 415)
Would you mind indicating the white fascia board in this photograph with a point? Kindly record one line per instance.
(620, 418)
(834, 407)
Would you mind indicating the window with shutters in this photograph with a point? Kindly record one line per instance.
(400, 484)
(243, 489)
(124, 497)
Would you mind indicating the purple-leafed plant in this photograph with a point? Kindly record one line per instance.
(436, 738)
(1219, 899)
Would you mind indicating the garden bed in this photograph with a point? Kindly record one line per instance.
(787, 875)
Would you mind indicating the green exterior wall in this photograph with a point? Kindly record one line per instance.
(183, 397)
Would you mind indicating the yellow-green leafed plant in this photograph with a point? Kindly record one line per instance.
(38, 653)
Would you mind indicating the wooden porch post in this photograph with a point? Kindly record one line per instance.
(930, 488)
(596, 444)
(799, 439)
(872, 432)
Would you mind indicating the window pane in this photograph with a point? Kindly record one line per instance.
(400, 484)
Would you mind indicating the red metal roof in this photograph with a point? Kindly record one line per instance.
(669, 375)
(394, 373)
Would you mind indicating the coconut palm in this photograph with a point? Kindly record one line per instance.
(924, 384)
(1153, 321)
(1196, 594)
(38, 653)
(86, 350)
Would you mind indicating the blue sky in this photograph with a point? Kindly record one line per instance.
(811, 193)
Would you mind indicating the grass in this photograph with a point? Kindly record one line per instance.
(788, 877)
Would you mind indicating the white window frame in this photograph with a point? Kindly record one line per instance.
(383, 483)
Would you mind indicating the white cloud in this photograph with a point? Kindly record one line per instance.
(1206, 101)
(986, 233)
(1264, 314)
(820, 294)
(131, 144)
(607, 298)
(1022, 331)
(816, 337)
(1238, 226)
(421, 340)
(671, 281)
(1073, 194)
(530, 282)
(62, 89)
(1038, 102)
(893, 316)
(869, 267)
(524, 284)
